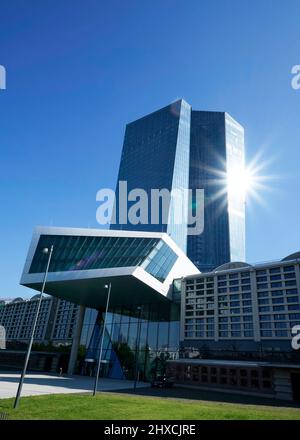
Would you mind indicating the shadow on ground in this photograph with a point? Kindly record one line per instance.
(208, 395)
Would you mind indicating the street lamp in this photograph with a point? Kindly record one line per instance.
(138, 336)
(107, 286)
(16, 403)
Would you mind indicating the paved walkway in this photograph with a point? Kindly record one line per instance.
(37, 384)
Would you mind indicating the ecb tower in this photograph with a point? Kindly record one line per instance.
(177, 147)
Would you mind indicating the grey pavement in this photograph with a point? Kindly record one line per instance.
(38, 384)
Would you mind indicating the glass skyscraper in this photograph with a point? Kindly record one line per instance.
(216, 153)
(156, 156)
(177, 147)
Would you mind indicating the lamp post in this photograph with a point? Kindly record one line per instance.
(18, 395)
(102, 340)
(137, 348)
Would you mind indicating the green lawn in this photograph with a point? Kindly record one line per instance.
(118, 407)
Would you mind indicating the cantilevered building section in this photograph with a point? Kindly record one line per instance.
(141, 265)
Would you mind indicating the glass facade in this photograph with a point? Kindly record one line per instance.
(216, 147)
(235, 154)
(179, 148)
(155, 155)
(144, 336)
(88, 252)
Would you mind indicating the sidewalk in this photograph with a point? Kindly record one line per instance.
(37, 384)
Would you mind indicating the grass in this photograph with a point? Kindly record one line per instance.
(110, 406)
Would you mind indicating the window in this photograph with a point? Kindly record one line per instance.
(277, 293)
(280, 325)
(233, 282)
(265, 325)
(262, 286)
(291, 283)
(288, 268)
(263, 301)
(277, 300)
(264, 309)
(289, 275)
(294, 307)
(261, 279)
(292, 292)
(246, 281)
(266, 333)
(223, 319)
(278, 317)
(265, 318)
(262, 294)
(261, 272)
(275, 277)
(281, 333)
(292, 299)
(275, 270)
(277, 284)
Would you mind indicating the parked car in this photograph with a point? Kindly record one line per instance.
(162, 382)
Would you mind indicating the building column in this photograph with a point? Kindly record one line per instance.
(76, 340)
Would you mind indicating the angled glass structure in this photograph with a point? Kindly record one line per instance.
(142, 326)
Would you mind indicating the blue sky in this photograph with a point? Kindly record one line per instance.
(79, 70)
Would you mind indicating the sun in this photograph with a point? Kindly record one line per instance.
(241, 183)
